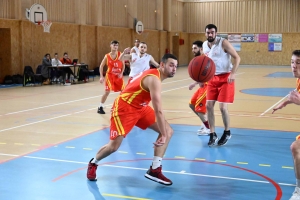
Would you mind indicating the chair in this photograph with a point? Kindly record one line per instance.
(92, 73)
(38, 74)
(82, 72)
(29, 76)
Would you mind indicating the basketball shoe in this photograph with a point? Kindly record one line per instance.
(91, 171)
(225, 137)
(296, 194)
(203, 131)
(213, 138)
(157, 176)
(100, 110)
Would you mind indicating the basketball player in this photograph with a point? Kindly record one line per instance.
(135, 48)
(198, 100)
(114, 74)
(131, 108)
(139, 62)
(221, 87)
(294, 98)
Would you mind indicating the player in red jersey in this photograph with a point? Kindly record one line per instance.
(198, 100)
(114, 74)
(131, 109)
(294, 98)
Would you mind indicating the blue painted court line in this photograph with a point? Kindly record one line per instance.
(273, 92)
(10, 86)
(281, 75)
(59, 172)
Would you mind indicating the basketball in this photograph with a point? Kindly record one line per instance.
(201, 68)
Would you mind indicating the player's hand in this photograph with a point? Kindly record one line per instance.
(160, 141)
(191, 86)
(127, 50)
(120, 75)
(101, 79)
(294, 97)
(231, 78)
(280, 106)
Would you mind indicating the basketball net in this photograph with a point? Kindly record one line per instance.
(46, 25)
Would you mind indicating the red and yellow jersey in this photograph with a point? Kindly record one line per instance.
(298, 85)
(134, 94)
(114, 66)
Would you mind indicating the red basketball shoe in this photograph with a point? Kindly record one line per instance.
(91, 171)
(157, 176)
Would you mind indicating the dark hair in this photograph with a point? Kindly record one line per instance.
(199, 43)
(65, 53)
(167, 56)
(296, 53)
(210, 26)
(143, 43)
(114, 42)
(47, 54)
(55, 54)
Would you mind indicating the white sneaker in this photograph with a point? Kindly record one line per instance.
(203, 131)
(296, 194)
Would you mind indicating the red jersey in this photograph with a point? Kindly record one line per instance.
(114, 66)
(134, 94)
(298, 85)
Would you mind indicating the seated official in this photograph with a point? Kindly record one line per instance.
(59, 73)
(45, 69)
(67, 61)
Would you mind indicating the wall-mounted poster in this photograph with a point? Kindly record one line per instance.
(234, 37)
(247, 38)
(263, 37)
(236, 46)
(223, 35)
(275, 38)
(275, 47)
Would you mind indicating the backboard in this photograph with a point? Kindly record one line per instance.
(36, 14)
(139, 27)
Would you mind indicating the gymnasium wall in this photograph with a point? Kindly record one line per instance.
(249, 16)
(84, 32)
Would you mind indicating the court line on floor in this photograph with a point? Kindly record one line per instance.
(237, 115)
(57, 104)
(145, 169)
(71, 113)
(275, 104)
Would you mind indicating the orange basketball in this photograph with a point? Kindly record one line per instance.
(201, 68)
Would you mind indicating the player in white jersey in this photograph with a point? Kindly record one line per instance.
(139, 61)
(135, 48)
(221, 87)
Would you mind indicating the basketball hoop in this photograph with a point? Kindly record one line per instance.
(46, 25)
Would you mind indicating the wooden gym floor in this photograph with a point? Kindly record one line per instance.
(49, 133)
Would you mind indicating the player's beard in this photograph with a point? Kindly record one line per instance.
(211, 39)
(197, 54)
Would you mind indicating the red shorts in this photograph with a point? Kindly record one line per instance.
(124, 117)
(199, 99)
(113, 83)
(218, 89)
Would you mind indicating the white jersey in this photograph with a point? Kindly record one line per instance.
(139, 64)
(221, 59)
(136, 49)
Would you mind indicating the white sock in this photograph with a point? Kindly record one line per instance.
(101, 105)
(156, 162)
(298, 182)
(95, 161)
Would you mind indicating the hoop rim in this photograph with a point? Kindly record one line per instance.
(46, 24)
